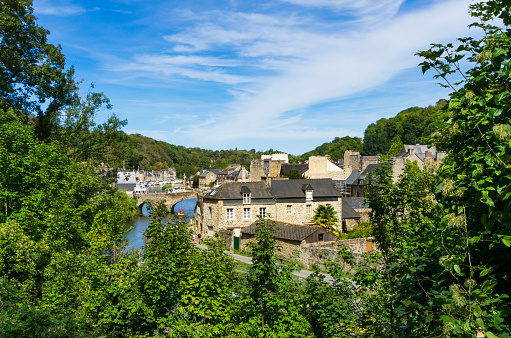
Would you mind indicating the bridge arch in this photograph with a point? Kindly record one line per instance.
(169, 199)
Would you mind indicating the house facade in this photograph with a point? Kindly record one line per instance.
(235, 206)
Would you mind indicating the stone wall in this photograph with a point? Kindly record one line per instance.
(364, 214)
(318, 252)
(226, 235)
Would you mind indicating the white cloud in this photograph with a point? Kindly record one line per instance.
(330, 68)
(193, 67)
(276, 67)
(45, 8)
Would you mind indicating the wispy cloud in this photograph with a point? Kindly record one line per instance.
(57, 9)
(288, 72)
(331, 67)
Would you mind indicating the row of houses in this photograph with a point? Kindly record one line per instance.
(235, 206)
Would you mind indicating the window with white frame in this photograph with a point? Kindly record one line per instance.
(308, 195)
(246, 213)
(210, 213)
(289, 209)
(229, 214)
(308, 209)
(246, 198)
(262, 212)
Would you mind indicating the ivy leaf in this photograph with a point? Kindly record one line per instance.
(506, 240)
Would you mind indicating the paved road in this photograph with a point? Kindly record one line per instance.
(302, 273)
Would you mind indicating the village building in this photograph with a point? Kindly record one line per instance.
(359, 205)
(289, 236)
(208, 176)
(419, 153)
(235, 206)
(233, 173)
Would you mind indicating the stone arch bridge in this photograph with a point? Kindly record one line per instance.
(169, 199)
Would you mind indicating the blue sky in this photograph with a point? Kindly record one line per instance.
(280, 74)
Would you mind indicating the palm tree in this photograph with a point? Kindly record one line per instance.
(325, 216)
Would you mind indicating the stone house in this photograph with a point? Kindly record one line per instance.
(354, 186)
(235, 206)
(206, 176)
(289, 236)
(419, 153)
(359, 205)
(233, 173)
(350, 218)
(354, 160)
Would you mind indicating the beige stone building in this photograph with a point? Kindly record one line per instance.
(323, 167)
(235, 206)
(206, 176)
(233, 173)
(419, 153)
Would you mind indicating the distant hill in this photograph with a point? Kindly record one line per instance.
(150, 154)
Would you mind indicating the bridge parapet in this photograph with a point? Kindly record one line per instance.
(169, 199)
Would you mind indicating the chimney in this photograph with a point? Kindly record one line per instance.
(428, 154)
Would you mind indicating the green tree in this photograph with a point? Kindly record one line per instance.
(33, 78)
(396, 146)
(325, 215)
(458, 284)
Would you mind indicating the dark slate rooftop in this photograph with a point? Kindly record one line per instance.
(204, 172)
(233, 190)
(287, 168)
(370, 168)
(289, 231)
(348, 212)
(353, 177)
(294, 188)
(355, 202)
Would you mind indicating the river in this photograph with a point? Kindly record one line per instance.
(140, 223)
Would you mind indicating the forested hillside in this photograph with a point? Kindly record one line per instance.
(413, 125)
(150, 154)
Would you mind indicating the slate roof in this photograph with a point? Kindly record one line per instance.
(370, 168)
(355, 202)
(289, 231)
(294, 188)
(287, 168)
(353, 177)
(419, 150)
(204, 172)
(233, 190)
(348, 212)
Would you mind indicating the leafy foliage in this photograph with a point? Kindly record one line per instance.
(325, 216)
(335, 149)
(411, 126)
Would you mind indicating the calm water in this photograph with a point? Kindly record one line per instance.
(140, 223)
